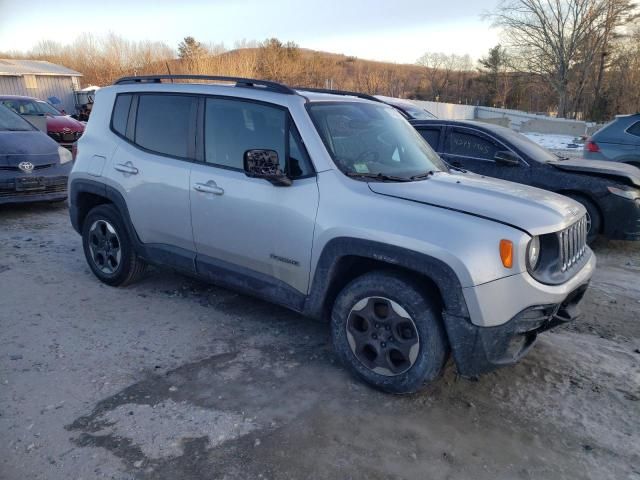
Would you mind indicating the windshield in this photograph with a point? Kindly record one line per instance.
(367, 140)
(531, 148)
(11, 122)
(30, 107)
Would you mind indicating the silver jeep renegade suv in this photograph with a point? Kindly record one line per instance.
(333, 206)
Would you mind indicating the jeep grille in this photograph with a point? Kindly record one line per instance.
(573, 243)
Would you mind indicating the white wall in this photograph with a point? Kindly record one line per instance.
(515, 119)
(450, 111)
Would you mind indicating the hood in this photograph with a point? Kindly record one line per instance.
(529, 209)
(621, 172)
(60, 122)
(30, 146)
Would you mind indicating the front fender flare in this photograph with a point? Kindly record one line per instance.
(338, 248)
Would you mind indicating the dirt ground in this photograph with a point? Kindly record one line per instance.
(175, 379)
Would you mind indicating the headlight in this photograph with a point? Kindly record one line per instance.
(65, 155)
(533, 253)
(630, 193)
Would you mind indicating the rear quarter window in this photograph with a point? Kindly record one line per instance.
(121, 113)
(634, 129)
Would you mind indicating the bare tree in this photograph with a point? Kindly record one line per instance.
(549, 35)
(618, 14)
(437, 71)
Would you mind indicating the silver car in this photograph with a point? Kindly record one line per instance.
(335, 207)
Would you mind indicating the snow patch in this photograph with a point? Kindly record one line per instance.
(554, 141)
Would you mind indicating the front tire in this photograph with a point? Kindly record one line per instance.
(594, 219)
(388, 332)
(108, 248)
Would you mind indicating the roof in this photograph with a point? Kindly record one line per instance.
(486, 126)
(17, 68)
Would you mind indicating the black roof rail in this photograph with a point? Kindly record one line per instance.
(239, 81)
(364, 96)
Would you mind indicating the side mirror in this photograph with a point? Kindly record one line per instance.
(507, 158)
(265, 164)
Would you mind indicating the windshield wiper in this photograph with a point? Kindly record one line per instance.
(457, 169)
(378, 176)
(422, 176)
(561, 157)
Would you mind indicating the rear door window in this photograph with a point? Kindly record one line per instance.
(166, 124)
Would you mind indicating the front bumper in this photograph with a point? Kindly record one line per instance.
(478, 350)
(506, 315)
(621, 217)
(494, 303)
(49, 188)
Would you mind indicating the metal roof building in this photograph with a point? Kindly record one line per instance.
(44, 80)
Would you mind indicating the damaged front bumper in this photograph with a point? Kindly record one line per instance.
(621, 218)
(478, 350)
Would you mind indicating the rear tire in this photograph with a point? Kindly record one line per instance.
(108, 248)
(594, 218)
(388, 332)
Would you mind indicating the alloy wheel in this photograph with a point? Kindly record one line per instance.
(382, 336)
(105, 247)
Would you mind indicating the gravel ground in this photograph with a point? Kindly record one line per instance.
(172, 378)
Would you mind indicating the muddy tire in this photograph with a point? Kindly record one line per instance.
(594, 219)
(108, 248)
(388, 332)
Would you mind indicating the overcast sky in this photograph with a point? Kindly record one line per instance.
(391, 30)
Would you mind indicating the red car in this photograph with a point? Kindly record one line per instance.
(62, 128)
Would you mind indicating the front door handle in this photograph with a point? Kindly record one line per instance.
(126, 168)
(209, 187)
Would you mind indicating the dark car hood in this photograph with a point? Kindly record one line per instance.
(30, 146)
(621, 172)
(60, 122)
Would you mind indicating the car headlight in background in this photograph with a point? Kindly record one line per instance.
(65, 155)
(629, 193)
(533, 253)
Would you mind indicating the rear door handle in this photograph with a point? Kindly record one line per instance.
(209, 187)
(126, 168)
